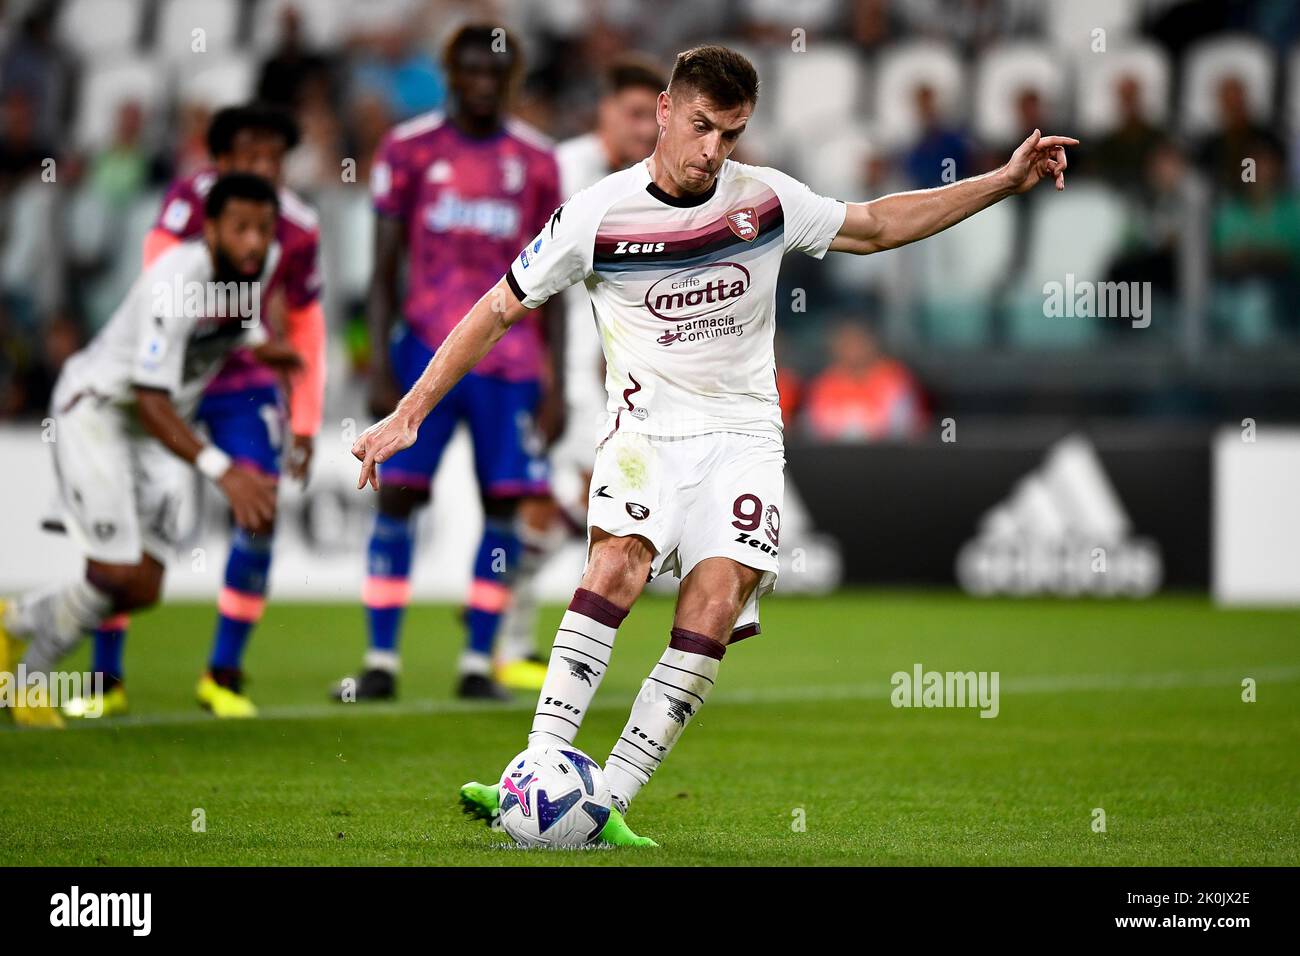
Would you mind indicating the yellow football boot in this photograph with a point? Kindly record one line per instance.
(111, 703)
(32, 708)
(222, 701)
(524, 674)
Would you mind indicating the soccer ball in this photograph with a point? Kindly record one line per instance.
(553, 797)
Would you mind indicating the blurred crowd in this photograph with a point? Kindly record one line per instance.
(1191, 190)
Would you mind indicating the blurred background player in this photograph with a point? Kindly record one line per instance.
(122, 408)
(458, 195)
(242, 409)
(625, 133)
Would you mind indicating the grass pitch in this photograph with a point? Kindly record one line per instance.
(799, 758)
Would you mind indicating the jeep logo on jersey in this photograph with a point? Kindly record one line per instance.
(496, 218)
(744, 223)
(697, 291)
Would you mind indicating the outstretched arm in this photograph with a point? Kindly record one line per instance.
(471, 339)
(895, 220)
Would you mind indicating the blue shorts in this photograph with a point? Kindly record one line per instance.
(247, 425)
(509, 459)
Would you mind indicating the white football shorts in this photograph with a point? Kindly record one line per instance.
(120, 490)
(706, 496)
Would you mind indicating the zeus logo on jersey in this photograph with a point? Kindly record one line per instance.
(491, 217)
(625, 247)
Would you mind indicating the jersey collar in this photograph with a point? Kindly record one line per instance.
(682, 202)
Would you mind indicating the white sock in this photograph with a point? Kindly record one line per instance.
(375, 660)
(673, 693)
(56, 620)
(579, 659)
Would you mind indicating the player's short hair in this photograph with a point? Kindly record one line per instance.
(721, 75)
(238, 186)
(632, 71)
(486, 36)
(229, 122)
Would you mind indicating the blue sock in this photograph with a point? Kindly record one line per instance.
(489, 595)
(107, 657)
(387, 589)
(242, 599)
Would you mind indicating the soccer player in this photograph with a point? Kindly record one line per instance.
(680, 255)
(122, 409)
(625, 133)
(242, 410)
(456, 196)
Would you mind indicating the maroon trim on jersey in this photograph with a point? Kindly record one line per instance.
(629, 392)
(740, 633)
(599, 609)
(693, 643)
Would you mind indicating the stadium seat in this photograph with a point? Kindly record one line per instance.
(324, 22)
(179, 19)
(105, 86)
(1096, 103)
(817, 91)
(903, 68)
(1208, 63)
(95, 27)
(229, 80)
(1001, 74)
(1070, 24)
(1079, 232)
(958, 272)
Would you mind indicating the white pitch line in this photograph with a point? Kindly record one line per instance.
(1038, 684)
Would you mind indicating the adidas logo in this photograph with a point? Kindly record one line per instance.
(1063, 531)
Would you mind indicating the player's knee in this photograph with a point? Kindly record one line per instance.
(401, 501)
(131, 587)
(711, 615)
(618, 565)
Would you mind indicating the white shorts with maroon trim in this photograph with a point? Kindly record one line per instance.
(707, 496)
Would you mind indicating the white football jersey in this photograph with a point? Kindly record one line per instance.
(684, 291)
(169, 333)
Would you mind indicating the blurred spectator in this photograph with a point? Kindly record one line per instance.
(1256, 236)
(940, 155)
(406, 77)
(1128, 147)
(316, 163)
(34, 64)
(120, 173)
(1164, 240)
(863, 395)
(22, 151)
(1239, 137)
(870, 24)
(291, 66)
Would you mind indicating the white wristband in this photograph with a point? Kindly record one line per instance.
(212, 463)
